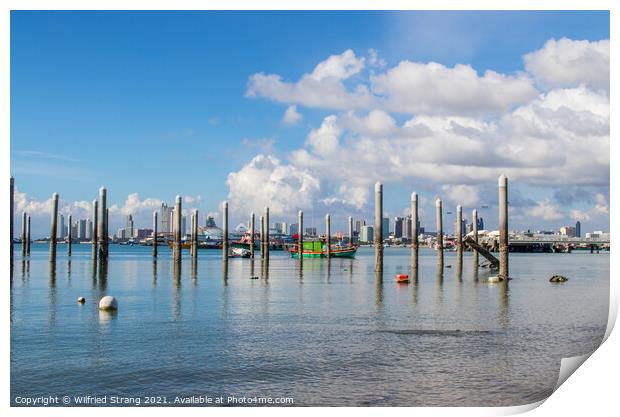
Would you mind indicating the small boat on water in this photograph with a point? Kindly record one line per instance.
(239, 253)
(318, 249)
(202, 244)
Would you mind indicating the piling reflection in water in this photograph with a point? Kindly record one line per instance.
(154, 281)
(504, 304)
(351, 271)
(264, 268)
(52, 294)
(194, 271)
(379, 290)
(439, 285)
(176, 287)
(225, 271)
(93, 273)
(103, 276)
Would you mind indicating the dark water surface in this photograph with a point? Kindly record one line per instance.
(328, 335)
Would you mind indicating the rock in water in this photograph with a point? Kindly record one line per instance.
(108, 303)
(81, 300)
(495, 279)
(558, 278)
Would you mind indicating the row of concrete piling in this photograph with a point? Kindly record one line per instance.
(503, 231)
(100, 230)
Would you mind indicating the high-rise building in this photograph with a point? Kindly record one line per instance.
(89, 229)
(310, 231)
(62, 232)
(578, 229)
(183, 225)
(407, 227)
(480, 223)
(358, 226)
(165, 215)
(129, 226)
(74, 230)
(398, 227)
(142, 233)
(367, 234)
(386, 228)
(293, 229)
(567, 231)
(81, 229)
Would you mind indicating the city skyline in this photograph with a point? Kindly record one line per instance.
(318, 125)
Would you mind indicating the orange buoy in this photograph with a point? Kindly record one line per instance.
(402, 278)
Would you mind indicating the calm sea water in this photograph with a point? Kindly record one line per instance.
(323, 335)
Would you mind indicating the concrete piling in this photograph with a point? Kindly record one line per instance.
(23, 234)
(503, 226)
(439, 220)
(267, 233)
(93, 234)
(262, 237)
(350, 230)
(378, 230)
(69, 235)
(414, 232)
(252, 226)
(107, 223)
(474, 220)
(178, 229)
(191, 235)
(28, 236)
(155, 234)
(195, 234)
(459, 238)
(300, 234)
(328, 234)
(225, 229)
(54, 227)
(12, 198)
(103, 226)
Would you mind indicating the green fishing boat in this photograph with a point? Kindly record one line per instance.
(318, 249)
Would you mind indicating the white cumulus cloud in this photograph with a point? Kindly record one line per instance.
(291, 116)
(265, 181)
(570, 63)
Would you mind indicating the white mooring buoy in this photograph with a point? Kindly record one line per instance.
(108, 303)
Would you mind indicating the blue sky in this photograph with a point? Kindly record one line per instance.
(156, 102)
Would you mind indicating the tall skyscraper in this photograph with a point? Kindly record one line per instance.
(81, 229)
(407, 227)
(358, 226)
(63, 230)
(129, 226)
(165, 215)
(292, 229)
(367, 234)
(386, 228)
(578, 229)
(89, 229)
(480, 223)
(398, 227)
(183, 225)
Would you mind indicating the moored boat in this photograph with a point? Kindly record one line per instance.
(318, 249)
